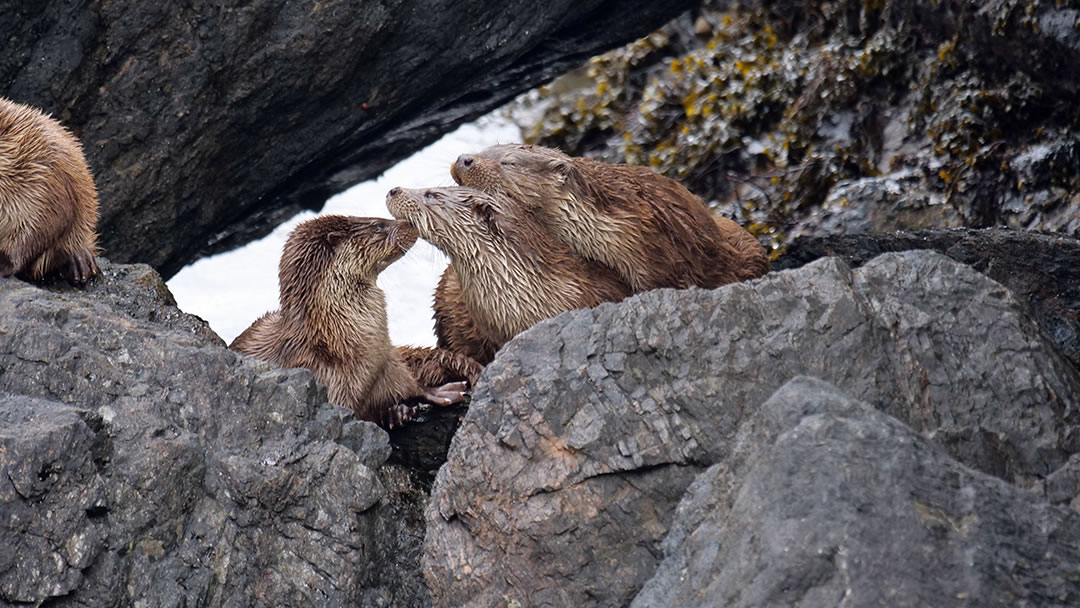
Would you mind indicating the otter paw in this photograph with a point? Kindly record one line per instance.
(400, 414)
(80, 267)
(447, 394)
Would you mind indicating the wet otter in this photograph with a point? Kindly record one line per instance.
(454, 327)
(753, 257)
(48, 202)
(648, 228)
(332, 321)
(505, 273)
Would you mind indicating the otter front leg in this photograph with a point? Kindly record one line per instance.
(398, 415)
(433, 366)
(7, 267)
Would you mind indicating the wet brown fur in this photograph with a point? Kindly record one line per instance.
(505, 273)
(754, 260)
(48, 202)
(332, 318)
(454, 327)
(648, 228)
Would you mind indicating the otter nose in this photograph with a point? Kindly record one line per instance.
(465, 161)
(394, 191)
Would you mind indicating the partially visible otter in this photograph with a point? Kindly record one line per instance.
(48, 202)
(648, 228)
(454, 326)
(332, 321)
(754, 259)
(505, 273)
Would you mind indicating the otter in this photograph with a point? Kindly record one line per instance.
(332, 320)
(505, 274)
(48, 201)
(648, 228)
(454, 327)
(754, 260)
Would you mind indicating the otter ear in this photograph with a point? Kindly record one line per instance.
(489, 216)
(560, 167)
(334, 237)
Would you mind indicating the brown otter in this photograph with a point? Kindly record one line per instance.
(648, 228)
(754, 260)
(48, 202)
(332, 321)
(505, 273)
(454, 326)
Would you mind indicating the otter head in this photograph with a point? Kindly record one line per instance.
(511, 275)
(348, 252)
(462, 222)
(530, 175)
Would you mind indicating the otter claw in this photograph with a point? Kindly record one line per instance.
(81, 267)
(447, 394)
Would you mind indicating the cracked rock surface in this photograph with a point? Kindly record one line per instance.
(587, 430)
(142, 463)
(827, 501)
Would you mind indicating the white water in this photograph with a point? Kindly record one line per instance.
(232, 289)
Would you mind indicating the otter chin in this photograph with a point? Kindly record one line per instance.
(646, 227)
(332, 320)
(505, 273)
(48, 201)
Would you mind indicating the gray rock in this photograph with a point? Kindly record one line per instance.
(206, 124)
(145, 464)
(897, 201)
(826, 502)
(1041, 269)
(585, 431)
(1063, 485)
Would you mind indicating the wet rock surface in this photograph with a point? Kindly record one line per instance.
(206, 124)
(144, 462)
(649, 453)
(586, 431)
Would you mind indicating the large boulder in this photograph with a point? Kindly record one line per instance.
(826, 501)
(587, 429)
(1041, 269)
(206, 124)
(145, 464)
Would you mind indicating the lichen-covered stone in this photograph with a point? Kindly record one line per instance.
(775, 111)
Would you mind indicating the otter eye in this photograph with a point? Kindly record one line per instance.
(506, 163)
(429, 195)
